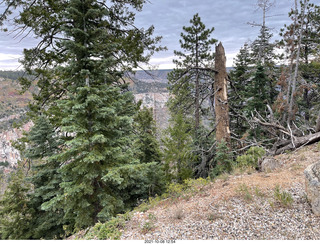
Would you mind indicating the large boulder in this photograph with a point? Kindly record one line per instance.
(269, 164)
(312, 174)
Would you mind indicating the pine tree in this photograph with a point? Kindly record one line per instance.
(191, 81)
(100, 118)
(191, 84)
(263, 53)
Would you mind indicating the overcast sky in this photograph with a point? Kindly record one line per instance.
(228, 17)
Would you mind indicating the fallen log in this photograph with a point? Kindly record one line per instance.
(295, 143)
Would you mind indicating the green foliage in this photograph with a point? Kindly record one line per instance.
(12, 75)
(4, 164)
(85, 169)
(101, 178)
(189, 186)
(42, 140)
(191, 80)
(224, 160)
(254, 85)
(203, 151)
(45, 180)
(148, 149)
(250, 159)
(248, 193)
(257, 91)
(15, 215)
(175, 190)
(284, 198)
(149, 224)
(107, 231)
(245, 192)
(239, 82)
(178, 150)
(110, 230)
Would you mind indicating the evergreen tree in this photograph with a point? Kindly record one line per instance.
(146, 142)
(240, 78)
(45, 180)
(257, 91)
(191, 82)
(85, 48)
(15, 215)
(178, 155)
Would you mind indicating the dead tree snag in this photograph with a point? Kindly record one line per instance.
(221, 96)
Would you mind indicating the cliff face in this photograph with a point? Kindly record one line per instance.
(156, 101)
(7, 152)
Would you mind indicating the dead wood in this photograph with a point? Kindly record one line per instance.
(221, 96)
(294, 143)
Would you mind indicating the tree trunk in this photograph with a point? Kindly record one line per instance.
(221, 97)
(294, 82)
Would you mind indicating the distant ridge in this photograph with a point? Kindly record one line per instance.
(148, 76)
(160, 75)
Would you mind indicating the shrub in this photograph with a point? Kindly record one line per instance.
(149, 224)
(251, 158)
(109, 230)
(245, 192)
(282, 197)
(175, 190)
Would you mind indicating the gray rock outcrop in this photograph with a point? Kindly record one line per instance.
(312, 174)
(270, 164)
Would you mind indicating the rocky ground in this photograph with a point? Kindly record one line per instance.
(256, 206)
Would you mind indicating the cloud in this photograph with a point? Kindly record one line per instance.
(228, 17)
(10, 61)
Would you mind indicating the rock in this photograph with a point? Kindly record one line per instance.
(312, 174)
(157, 101)
(270, 164)
(7, 152)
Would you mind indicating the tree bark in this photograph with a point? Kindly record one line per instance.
(221, 97)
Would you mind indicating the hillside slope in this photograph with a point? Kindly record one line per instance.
(257, 205)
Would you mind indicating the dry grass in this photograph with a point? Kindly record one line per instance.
(201, 205)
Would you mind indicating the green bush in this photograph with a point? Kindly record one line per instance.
(223, 159)
(4, 164)
(176, 190)
(251, 158)
(109, 230)
(282, 197)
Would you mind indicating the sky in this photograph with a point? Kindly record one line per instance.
(229, 18)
